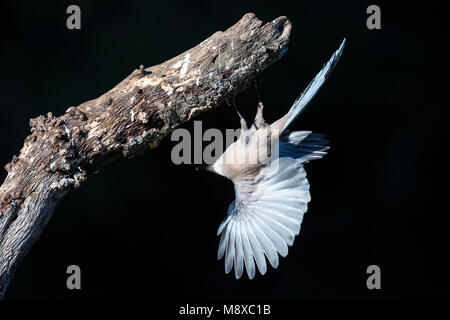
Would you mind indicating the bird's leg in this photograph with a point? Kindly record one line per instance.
(233, 103)
(243, 122)
(259, 120)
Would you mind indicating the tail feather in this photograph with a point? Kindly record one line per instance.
(306, 96)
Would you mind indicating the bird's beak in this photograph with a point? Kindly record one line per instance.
(201, 167)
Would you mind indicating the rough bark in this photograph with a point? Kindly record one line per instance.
(137, 114)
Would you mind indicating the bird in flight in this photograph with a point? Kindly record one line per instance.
(265, 165)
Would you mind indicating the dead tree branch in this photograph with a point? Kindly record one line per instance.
(137, 114)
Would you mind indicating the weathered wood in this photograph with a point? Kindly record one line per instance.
(135, 115)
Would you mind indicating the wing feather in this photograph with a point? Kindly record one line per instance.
(229, 254)
(248, 253)
(258, 252)
(265, 217)
(239, 253)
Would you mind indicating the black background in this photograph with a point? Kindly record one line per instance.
(146, 228)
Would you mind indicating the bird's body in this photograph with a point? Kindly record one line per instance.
(272, 192)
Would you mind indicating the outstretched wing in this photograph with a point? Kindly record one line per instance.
(302, 145)
(264, 218)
